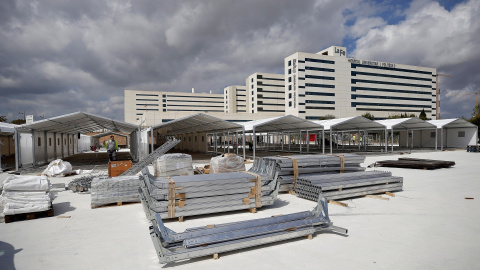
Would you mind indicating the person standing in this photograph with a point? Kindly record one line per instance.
(112, 148)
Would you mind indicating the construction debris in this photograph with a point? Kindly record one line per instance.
(173, 164)
(348, 185)
(290, 168)
(26, 194)
(180, 196)
(107, 190)
(218, 238)
(84, 183)
(415, 163)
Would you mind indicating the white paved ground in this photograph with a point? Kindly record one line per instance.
(430, 225)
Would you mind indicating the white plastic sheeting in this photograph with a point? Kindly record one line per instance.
(26, 194)
(58, 167)
(173, 164)
(227, 163)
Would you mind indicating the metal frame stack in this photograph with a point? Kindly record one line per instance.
(218, 238)
(348, 185)
(137, 167)
(292, 167)
(189, 195)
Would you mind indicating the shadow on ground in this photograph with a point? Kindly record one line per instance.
(7, 252)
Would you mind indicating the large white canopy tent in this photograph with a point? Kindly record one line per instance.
(407, 124)
(199, 123)
(66, 129)
(281, 125)
(349, 124)
(467, 132)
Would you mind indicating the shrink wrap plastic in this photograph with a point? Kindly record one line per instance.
(227, 163)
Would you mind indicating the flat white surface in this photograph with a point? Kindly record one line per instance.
(430, 225)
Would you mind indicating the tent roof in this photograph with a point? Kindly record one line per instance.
(406, 123)
(452, 123)
(199, 122)
(7, 128)
(281, 123)
(350, 124)
(78, 122)
(99, 135)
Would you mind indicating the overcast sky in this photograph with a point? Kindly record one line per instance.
(59, 56)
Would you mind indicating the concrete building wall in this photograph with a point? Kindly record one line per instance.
(235, 100)
(265, 93)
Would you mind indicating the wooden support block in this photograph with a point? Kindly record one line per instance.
(180, 219)
(30, 216)
(377, 197)
(63, 217)
(309, 237)
(215, 256)
(291, 192)
(340, 189)
(119, 203)
(390, 194)
(210, 226)
(252, 210)
(469, 198)
(338, 203)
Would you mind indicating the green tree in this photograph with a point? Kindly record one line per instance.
(368, 116)
(476, 111)
(18, 121)
(3, 118)
(327, 117)
(423, 115)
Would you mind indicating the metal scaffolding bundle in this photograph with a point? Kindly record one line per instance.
(218, 238)
(189, 195)
(290, 168)
(348, 185)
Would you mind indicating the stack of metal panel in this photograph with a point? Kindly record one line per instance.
(291, 167)
(189, 195)
(347, 185)
(107, 190)
(218, 238)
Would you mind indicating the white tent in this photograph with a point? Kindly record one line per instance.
(455, 132)
(408, 125)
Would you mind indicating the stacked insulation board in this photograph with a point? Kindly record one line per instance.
(213, 239)
(290, 168)
(347, 185)
(189, 195)
(415, 163)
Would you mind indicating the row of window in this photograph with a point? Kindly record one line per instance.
(319, 77)
(354, 104)
(319, 61)
(389, 110)
(147, 104)
(319, 85)
(391, 69)
(146, 95)
(193, 97)
(354, 73)
(390, 90)
(391, 83)
(320, 101)
(140, 99)
(174, 100)
(319, 94)
(319, 108)
(389, 97)
(319, 69)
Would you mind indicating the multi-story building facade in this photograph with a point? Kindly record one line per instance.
(329, 83)
(265, 93)
(235, 99)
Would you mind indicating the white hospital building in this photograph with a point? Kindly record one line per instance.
(315, 85)
(329, 83)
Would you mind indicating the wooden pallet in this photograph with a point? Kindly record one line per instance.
(114, 204)
(29, 216)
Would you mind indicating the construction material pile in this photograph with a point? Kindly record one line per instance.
(227, 163)
(292, 167)
(84, 183)
(218, 238)
(26, 194)
(415, 163)
(347, 185)
(173, 164)
(107, 190)
(180, 196)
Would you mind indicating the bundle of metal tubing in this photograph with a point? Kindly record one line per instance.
(347, 185)
(218, 238)
(189, 195)
(292, 167)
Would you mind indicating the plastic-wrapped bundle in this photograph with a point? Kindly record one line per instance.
(172, 165)
(227, 163)
(106, 190)
(58, 167)
(26, 194)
